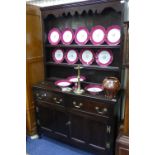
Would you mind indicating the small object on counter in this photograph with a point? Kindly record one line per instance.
(62, 83)
(66, 89)
(94, 88)
(78, 89)
(111, 86)
(75, 78)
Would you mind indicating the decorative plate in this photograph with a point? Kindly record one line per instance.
(86, 56)
(58, 55)
(75, 79)
(104, 57)
(67, 36)
(54, 36)
(71, 56)
(62, 83)
(81, 35)
(97, 35)
(94, 88)
(113, 35)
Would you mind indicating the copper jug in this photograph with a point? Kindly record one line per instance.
(111, 86)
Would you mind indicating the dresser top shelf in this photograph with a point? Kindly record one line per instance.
(83, 46)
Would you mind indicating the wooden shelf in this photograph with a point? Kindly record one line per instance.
(82, 46)
(108, 68)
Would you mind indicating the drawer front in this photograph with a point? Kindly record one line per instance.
(40, 94)
(51, 97)
(56, 98)
(102, 109)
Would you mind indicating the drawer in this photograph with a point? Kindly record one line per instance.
(103, 109)
(56, 98)
(48, 96)
(39, 94)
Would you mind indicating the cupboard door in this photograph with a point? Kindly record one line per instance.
(60, 123)
(97, 135)
(78, 128)
(45, 116)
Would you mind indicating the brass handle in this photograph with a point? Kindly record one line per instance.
(68, 123)
(37, 109)
(108, 129)
(102, 111)
(107, 145)
(44, 95)
(77, 106)
(57, 101)
(37, 94)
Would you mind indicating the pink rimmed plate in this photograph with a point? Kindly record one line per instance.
(71, 56)
(58, 55)
(86, 56)
(113, 35)
(97, 35)
(54, 36)
(94, 88)
(67, 36)
(81, 35)
(104, 57)
(62, 83)
(75, 79)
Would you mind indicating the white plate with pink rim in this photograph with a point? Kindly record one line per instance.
(113, 35)
(58, 55)
(67, 36)
(54, 36)
(71, 56)
(94, 88)
(74, 79)
(86, 56)
(98, 35)
(104, 57)
(81, 35)
(62, 83)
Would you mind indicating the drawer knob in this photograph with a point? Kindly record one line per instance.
(77, 105)
(101, 111)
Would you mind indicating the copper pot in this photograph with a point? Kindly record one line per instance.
(111, 87)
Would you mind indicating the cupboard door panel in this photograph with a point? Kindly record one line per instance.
(78, 128)
(45, 115)
(60, 123)
(97, 134)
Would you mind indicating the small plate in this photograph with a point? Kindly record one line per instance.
(94, 88)
(86, 56)
(71, 56)
(54, 36)
(113, 35)
(58, 55)
(67, 36)
(97, 35)
(81, 35)
(75, 79)
(104, 57)
(62, 83)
